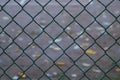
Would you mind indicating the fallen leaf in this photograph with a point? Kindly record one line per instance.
(96, 70)
(21, 75)
(90, 51)
(118, 69)
(36, 55)
(60, 63)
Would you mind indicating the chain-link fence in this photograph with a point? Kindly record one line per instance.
(59, 40)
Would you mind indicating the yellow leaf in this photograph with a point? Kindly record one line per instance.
(60, 63)
(21, 75)
(90, 51)
(36, 55)
(118, 69)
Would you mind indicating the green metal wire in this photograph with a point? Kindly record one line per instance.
(63, 31)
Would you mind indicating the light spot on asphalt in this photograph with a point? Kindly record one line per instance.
(58, 40)
(76, 47)
(5, 18)
(20, 39)
(22, 2)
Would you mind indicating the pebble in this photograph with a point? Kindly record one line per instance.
(68, 28)
(96, 70)
(15, 78)
(58, 40)
(106, 23)
(74, 75)
(105, 48)
(87, 39)
(55, 73)
(76, 47)
(86, 64)
(49, 75)
(57, 48)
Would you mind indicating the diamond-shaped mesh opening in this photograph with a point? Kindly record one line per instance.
(14, 6)
(102, 63)
(33, 51)
(84, 63)
(43, 40)
(43, 19)
(85, 41)
(74, 30)
(116, 50)
(74, 8)
(24, 16)
(63, 19)
(5, 40)
(5, 61)
(33, 32)
(84, 19)
(114, 8)
(54, 51)
(95, 30)
(13, 51)
(53, 8)
(23, 40)
(34, 72)
(24, 61)
(13, 29)
(114, 76)
(74, 52)
(105, 19)
(54, 30)
(13, 71)
(67, 62)
(65, 42)
(95, 9)
(102, 41)
(96, 52)
(33, 8)
(114, 30)
(4, 19)
(94, 73)
(74, 71)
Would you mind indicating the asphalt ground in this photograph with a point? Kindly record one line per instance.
(34, 38)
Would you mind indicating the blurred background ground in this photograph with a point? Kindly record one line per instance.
(60, 39)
